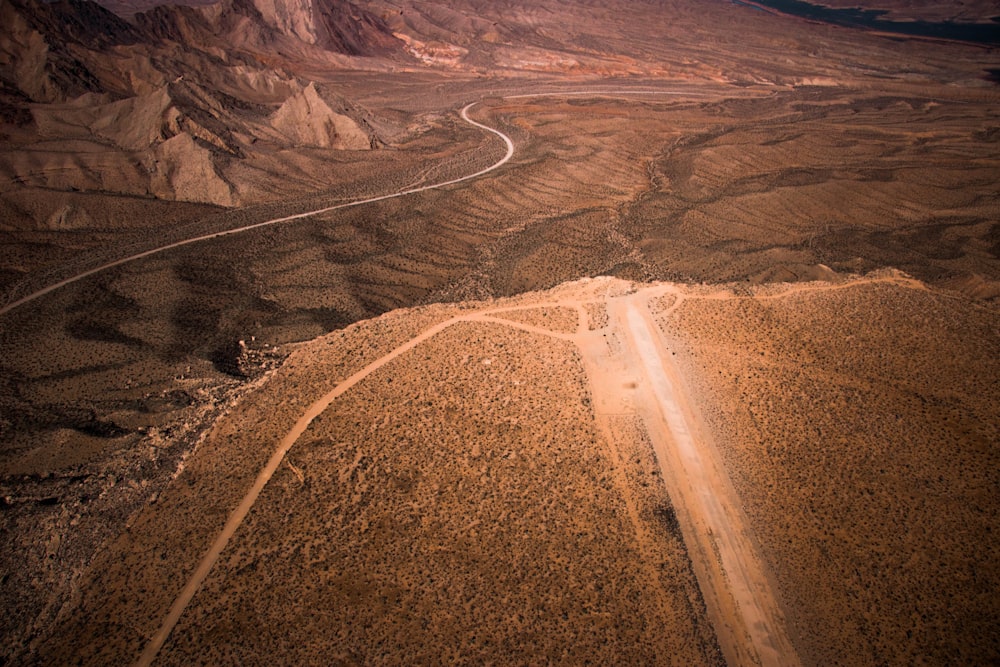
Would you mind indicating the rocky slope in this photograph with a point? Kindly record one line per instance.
(166, 105)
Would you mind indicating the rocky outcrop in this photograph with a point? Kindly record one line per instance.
(345, 28)
(135, 123)
(171, 101)
(185, 170)
(306, 119)
(129, 8)
(338, 27)
(291, 17)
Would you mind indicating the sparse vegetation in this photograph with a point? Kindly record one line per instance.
(559, 319)
(856, 424)
(458, 497)
(791, 154)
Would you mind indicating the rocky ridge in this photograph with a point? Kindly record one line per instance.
(161, 106)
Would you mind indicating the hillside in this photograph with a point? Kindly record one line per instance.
(181, 104)
(443, 496)
(671, 245)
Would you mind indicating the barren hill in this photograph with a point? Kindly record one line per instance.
(489, 481)
(180, 103)
(336, 247)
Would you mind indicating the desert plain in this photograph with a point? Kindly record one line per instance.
(680, 346)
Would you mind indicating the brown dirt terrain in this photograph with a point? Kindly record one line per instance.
(457, 503)
(442, 502)
(146, 321)
(768, 155)
(859, 427)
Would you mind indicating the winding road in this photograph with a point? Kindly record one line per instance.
(464, 113)
(275, 221)
(733, 579)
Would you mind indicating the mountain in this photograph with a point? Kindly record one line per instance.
(129, 8)
(177, 91)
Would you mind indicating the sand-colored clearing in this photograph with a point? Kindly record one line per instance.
(529, 479)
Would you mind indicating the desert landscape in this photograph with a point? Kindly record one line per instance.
(863, 475)
(391, 332)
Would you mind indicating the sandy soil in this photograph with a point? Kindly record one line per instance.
(487, 481)
(631, 370)
(453, 499)
(593, 203)
(770, 155)
(858, 423)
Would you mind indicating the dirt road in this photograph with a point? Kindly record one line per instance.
(739, 594)
(464, 113)
(275, 221)
(630, 370)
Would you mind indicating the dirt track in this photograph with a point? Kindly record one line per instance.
(464, 113)
(288, 218)
(629, 369)
(561, 429)
(630, 372)
(860, 450)
(749, 621)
